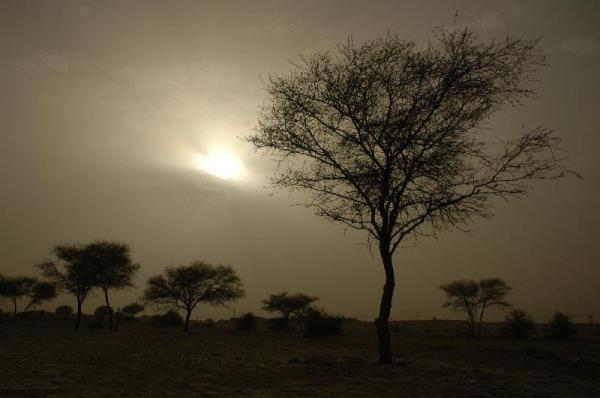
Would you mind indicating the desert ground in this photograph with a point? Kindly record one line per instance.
(46, 358)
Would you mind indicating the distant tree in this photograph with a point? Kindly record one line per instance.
(475, 297)
(69, 272)
(15, 288)
(40, 292)
(64, 311)
(112, 267)
(185, 287)
(288, 305)
(131, 310)
(389, 137)
(519, 324)
(560, 326)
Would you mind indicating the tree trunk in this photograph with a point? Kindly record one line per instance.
(480, 322)
(117, 318)
(187, 320)
(78, 321)
(286, 321)
(382, 322)
(110, 314)
(15, 305)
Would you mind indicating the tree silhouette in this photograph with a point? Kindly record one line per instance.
(474, 297)
(69, 272)
(184, 287)
(288, 305)
(112, 268)
(40, 292)
(388, 137)
(15, 288)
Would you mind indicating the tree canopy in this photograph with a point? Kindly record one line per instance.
(474, 297)
(186, 286)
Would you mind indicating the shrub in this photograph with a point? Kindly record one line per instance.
(64, 311)
(518, 324)
(208, 323)
(321, 324)
(168, 319)
(246, 322)
(101, 313)
(560, 327)
(276, 324)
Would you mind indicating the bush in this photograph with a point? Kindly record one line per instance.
(560, 327)
(320, 324)
(64, 311)
(101, 313)
(208, 323)
(168, 319)
(246, 322)
(518, 324)
(276, 324)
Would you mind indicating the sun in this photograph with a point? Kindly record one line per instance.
(220, 163)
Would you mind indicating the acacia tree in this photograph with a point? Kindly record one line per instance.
(288, 305)
(475, 297)
(388, 137)
(112, 268)
(69, 272)
(15, 288)
(184, 287)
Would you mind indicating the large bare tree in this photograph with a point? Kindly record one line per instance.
(388, 137)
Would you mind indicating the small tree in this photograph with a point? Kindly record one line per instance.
(64, 311)
(475, 297)
(69, 272)
(112, 268)
(185, 287)
(288, 305)
(39, 293)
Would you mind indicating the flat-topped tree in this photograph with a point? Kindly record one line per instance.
(15, 288)
(70, 273)
(112, 268)
(186, 286)
(388, 137)
(288, 305)
(474, 298)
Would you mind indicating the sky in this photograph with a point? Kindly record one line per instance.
(106, 107)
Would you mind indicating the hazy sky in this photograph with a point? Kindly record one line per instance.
(105, 107)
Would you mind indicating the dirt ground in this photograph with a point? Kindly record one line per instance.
(49, 359)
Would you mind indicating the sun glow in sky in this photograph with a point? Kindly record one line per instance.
(220, 163)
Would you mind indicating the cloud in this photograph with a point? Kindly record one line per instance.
(580, 45)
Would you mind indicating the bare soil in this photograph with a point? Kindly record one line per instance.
(49, 359)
